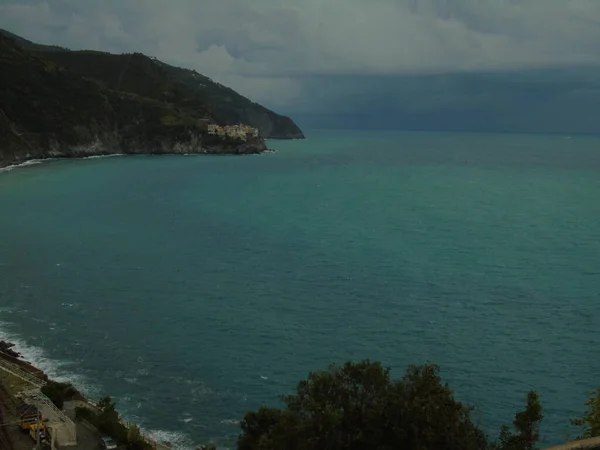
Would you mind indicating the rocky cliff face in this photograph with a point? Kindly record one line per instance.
(48, 110)
(172, 141)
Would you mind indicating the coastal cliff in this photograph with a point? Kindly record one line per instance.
(58, 103)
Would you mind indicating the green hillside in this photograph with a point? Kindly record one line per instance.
(183, 88)
(50, 108)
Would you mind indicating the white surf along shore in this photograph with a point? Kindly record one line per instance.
(61, 371)
(33, 162)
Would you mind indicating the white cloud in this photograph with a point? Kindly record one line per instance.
(265, 47)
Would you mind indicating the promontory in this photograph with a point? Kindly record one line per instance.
(55, 102)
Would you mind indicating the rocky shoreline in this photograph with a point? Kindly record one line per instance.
(77, 402)
(256, 147)
(7, 348)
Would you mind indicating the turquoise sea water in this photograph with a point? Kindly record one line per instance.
(195, 288)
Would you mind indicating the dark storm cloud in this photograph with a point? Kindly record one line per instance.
(292, 54)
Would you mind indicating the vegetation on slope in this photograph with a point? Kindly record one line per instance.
(590, 422)
(359, 406)
(108, 422)
(183, 89)
(60, 393)
(56, 102)
(186, 89)
(47, 110)
(229, 107)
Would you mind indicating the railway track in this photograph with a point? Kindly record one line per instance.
(5, 441)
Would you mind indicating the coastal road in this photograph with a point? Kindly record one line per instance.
(87, 437)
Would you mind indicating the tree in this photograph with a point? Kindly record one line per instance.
(134, 437)
(590, 422)
(58, 392)
(527, 426)
(109, 422)
(358, 406)
(108, 410)
(256, 426)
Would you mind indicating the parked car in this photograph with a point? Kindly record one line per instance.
(107, 443)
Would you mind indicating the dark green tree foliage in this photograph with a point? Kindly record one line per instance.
(358, 406)
(109, 423)
(59, 392)
(258, 425)
(526, 426)
(590, 422)
(108, 420)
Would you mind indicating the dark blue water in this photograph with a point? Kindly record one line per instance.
(193, 289)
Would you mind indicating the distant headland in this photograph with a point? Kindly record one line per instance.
(58, 103)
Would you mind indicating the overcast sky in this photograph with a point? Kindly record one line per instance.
(274, 50)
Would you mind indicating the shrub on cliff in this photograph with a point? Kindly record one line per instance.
(359, 406)
(60, 392)
(526, 425)
(109, 422)
(590, 422)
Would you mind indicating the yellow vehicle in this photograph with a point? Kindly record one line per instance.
(28, 415)
(41, 429)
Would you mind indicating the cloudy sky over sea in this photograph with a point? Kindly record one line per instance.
(310, 55)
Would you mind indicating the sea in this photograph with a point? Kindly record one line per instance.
(193, 289)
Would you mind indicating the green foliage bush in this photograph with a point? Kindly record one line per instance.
(526, 426)
(60, 392)
(108, 422)
(590, 422)
(359, 406)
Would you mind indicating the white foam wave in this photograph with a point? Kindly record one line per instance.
(61, 371)
(199, 390)
(103, 156)
(11, 310)
(230, 422)
(55, 369)
(176, 440)
(31, 162)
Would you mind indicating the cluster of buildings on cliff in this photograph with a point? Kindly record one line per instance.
(240, 131)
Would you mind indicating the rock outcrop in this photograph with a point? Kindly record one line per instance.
(7, 349)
